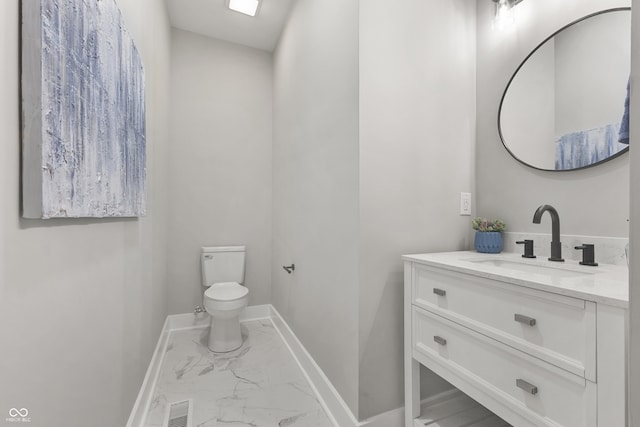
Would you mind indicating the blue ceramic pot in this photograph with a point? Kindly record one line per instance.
(488, 242)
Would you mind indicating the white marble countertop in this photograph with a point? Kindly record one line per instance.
(606, 283)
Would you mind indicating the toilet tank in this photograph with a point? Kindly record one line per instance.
(222, 264)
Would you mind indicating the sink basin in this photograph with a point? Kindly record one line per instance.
(552, 271)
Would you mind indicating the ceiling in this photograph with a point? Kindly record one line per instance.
(212, 18)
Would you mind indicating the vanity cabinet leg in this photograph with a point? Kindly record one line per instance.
(411, 392)
(411, 367)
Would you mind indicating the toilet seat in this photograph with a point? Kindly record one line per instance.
(226, 291)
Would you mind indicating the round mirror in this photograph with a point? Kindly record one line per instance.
(566, 106)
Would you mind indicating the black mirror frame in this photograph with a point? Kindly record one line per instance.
(618, 154)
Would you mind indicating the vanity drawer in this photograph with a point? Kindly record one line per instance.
(522, 389)
(558, 329)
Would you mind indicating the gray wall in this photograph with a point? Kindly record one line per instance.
(315, 185)
(603, 68)
(634, 280)
(82, 301)
(590, 202)
(366, 160)
(417, 138)
(220, 162)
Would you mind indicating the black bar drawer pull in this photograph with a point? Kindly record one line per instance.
(440, 340)
(528, 387)
(440, 292)
(525, 319)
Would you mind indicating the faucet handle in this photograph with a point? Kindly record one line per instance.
(588, 254)
(528, 248)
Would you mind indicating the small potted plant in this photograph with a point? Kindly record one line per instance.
(488, 235)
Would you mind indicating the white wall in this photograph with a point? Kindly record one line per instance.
(220, 162)
(315, 185)
(81, 301)
(417, 137)
(593, 201)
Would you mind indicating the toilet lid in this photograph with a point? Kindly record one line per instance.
(226, 291)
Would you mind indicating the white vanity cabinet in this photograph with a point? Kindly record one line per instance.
(537, 350)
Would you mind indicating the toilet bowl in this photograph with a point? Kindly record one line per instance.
(225, 297)
(224, 302)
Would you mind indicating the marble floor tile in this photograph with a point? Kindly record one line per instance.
(258, 385)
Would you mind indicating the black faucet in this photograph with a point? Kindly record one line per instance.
(556, 246)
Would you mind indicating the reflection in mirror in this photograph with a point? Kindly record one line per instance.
(563, 109)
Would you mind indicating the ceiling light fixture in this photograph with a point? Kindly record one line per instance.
(503, 15)
(248, 7)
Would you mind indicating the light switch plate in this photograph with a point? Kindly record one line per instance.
(465, 204)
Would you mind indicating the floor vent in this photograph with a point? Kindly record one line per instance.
(179, 414)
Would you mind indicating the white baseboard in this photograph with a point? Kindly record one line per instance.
(256, 312)
(336, 408)
(202, 320)
(141, 407)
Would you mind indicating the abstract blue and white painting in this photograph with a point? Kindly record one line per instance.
(83, 112)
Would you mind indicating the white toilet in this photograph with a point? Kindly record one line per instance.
(222, 274)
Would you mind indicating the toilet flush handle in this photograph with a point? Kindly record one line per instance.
(289, 268)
